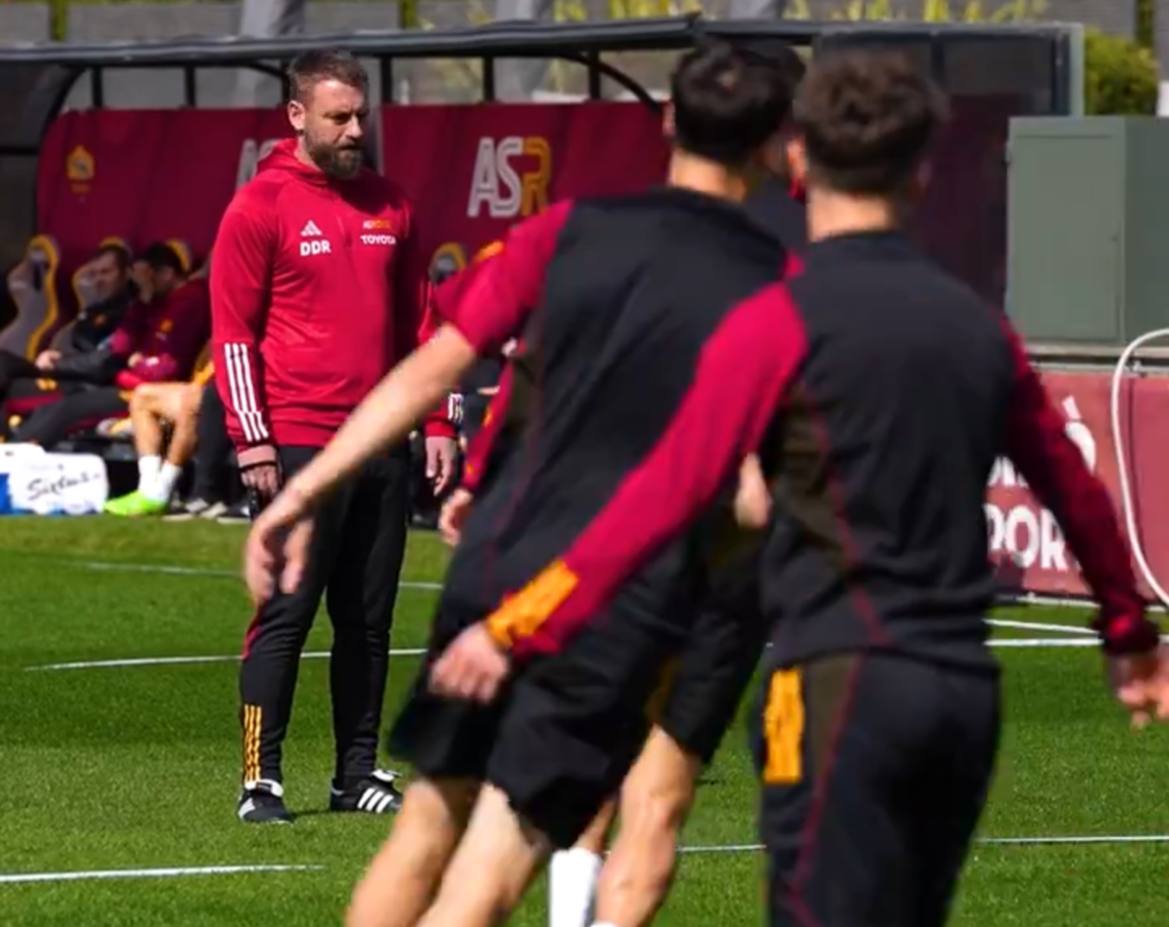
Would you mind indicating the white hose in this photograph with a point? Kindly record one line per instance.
(1122, 463)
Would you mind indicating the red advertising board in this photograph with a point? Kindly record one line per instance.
(475, 170)
(146, 175)
(1025, 541)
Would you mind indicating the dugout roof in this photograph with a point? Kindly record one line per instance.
(1044, 67)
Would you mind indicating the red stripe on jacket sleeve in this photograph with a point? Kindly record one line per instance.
(742, 374)
(1054, 468)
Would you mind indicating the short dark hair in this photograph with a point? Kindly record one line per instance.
(160, 255)
(310, 68)
(728, 101)
(867, 118)
(789, 62)
(120, 253)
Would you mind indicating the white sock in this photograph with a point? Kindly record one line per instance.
(148, 467)
(572, 887)
(164, 483)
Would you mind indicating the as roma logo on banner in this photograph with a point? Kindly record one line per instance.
(510, 177)
(80, 170)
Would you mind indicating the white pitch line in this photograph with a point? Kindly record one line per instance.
(1038, 626)
(990, 841)
(1038, 598)
(1039, 841)
(146, 873)
(420, 651)
(173, 570)
(182, 661)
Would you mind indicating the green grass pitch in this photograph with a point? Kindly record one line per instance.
(135, 767)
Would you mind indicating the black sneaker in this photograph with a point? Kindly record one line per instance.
(192, 509)
(263, 803)
(237, 514)
(375, 794)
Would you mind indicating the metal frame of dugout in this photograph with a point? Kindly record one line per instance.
(36, 79)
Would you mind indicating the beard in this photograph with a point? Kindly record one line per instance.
(341, 161)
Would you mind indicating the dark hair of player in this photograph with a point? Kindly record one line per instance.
(160, 256)
(783, 56)
(310, 68)
(121, 255)
(728, 101)
(867, 118)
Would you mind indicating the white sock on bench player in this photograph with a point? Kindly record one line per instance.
(164, 483)
(148, 468)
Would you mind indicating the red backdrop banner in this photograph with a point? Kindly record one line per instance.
(472, 171)
(1025, 541)
(475, 170)
(146, 175)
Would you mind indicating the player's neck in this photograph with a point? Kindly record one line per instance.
(694, 173)
(831, 214)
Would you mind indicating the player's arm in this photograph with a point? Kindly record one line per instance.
(245, 250)
(741, 376)
(491, 308)
(413, 325)
(479, 453)
(1055, 470)
(1138, 666)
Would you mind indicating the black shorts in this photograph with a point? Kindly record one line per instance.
(875, 770)
(561, 738)
(725, 643)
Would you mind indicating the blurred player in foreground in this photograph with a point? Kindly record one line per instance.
(878, 391)
(616, 353)
(720, 653)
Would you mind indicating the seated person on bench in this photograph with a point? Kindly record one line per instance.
(158, 340)
(192, 415)
(113, 291)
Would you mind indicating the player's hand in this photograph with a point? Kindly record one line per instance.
(47, 360)
(441, 454)
(752, 498)
(1141, 684)
(472, 667)
(454, 513)
(259, 471)
(277, 549)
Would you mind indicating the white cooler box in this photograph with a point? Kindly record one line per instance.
(35, 482)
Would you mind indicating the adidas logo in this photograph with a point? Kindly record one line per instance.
(310, 230)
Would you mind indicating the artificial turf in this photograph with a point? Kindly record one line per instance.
(135, 767)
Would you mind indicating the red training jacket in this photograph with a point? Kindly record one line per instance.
(169, 333)
(317, 290)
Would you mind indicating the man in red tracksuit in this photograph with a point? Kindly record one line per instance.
(316, 292)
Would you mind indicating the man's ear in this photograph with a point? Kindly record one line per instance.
(296, 116)
(669, 127)
(797, 160)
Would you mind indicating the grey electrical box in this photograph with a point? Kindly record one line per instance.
(1088, 229)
